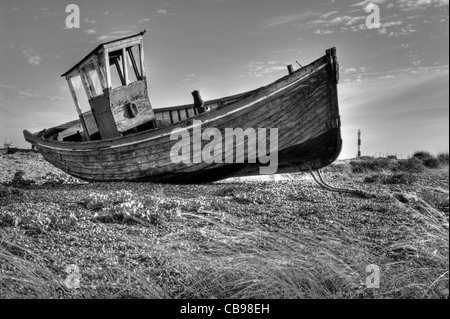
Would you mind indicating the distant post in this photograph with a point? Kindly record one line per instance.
(359, 143)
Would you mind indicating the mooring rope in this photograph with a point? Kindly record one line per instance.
(330, 188)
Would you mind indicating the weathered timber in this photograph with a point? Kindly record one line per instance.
(303, 106)
(290, 69)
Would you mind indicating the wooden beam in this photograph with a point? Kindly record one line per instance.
(290, 69)
(119, 71)
(107, 68)
(100, 73)
(86, 85)
(133, 62)
(142, 57)
(123, 44)
(125, 67)
(91, 84)
(77, 106)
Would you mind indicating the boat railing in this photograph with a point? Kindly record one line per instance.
(171, 115)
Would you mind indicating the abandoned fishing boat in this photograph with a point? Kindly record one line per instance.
(122, 138)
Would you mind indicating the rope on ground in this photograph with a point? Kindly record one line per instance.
(330, 188)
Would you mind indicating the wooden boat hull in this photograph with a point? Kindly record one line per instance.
(14, 150)
(303, 106)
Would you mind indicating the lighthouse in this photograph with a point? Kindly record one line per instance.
(359, 144)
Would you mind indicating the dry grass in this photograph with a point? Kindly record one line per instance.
(24, 278)
(285, 239)
(443, 158)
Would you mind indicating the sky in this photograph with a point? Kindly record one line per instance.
(394, 79)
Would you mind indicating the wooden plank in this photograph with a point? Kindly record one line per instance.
(166, 117)
(190, 112)
(133, 62)
(124, 66)
(172, 117)
(159, 116)
(212, 104)
(182, 115)
(107, 68)
(142, 57)
(123, 44)
(100, 73)
(136, 93)
(87, 65)
(89, 123)
(90, 85)
(87, 89)
(119, 71)
(104, 118)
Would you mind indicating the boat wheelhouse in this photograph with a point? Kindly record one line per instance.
(113, 78)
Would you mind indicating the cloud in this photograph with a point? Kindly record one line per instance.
(338, 24)
(361, 74)
(356, 23)
(405, 5)
(90, 31)
(32, 57)
(367, 2)
(258, 69)
(189, 77)
(397, 119)
(90, 21)
(164, 13)
(145, 20)
(404, 31)
(326, 15)
(6, 46)
(356, 74)
(319, 31)
(408, 5)
(354, 20)
(339, 20)
(33, 109)
(350, 70)
(392, 23)
(114, 35)
(281, 20)
(342, 20)
(12, 93)
(45, 13)
(159, 13)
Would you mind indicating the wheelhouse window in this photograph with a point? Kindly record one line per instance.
(125, 66)
(96, 84)
(80, 94)
(91, 78)
(116, 69)
(134, 61)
